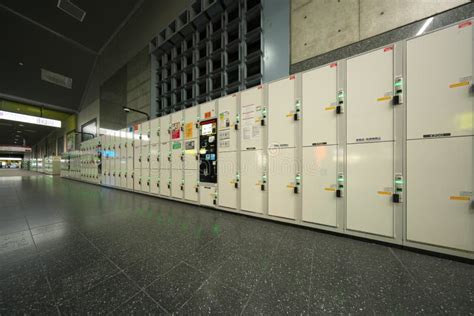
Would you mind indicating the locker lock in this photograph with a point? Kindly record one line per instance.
(397, 196)
(140, 181)
(237, 180)
(340, 102)
(158, 132)
(169, 157)
(148, 182)
(296, 188)
(182, 156)
(237, 121)
(158, 183)
(264, 181)
(296, 115)
(340, 185)
(182, 126)
(197, 187)
(264, 116)
(148, 158)
(398, 95)
(197, 122)
(182, 185)
(140, 159)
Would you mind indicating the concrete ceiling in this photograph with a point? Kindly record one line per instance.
(36, 35)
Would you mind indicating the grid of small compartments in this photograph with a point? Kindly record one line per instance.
(212, 49)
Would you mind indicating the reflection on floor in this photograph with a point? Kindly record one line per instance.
(18, 173)
(68, 247)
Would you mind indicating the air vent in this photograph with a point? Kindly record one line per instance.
(56, 78)
(72, 9)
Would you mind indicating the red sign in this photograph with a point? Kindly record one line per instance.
(333, 65)
(464, 24)
(388, 49)
(207, 115)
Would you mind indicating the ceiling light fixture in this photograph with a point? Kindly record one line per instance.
(128, 110)
(20, 64)
(72, 9)
(10, 116)
(424, 26)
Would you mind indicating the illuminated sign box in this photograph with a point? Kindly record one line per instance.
(10, 116)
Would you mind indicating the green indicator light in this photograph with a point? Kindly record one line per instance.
(397, 84)
(340, 179)
(399, 182)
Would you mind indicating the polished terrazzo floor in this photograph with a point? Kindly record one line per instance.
(72, 248)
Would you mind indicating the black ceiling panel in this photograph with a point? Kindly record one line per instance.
(30, 132)
(101, 20)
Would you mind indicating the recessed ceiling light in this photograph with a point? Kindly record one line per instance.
(21, 125)
(20, 64)
(18, 131)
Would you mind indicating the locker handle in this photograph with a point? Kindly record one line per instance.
(262, 187)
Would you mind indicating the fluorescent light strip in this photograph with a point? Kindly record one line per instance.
(10, 116)
(10, 158)
(424, 26)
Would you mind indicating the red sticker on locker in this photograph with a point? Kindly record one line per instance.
(464, 24)
(387, 49)
(135, 127)
(333, 65)
(292, 77)
(207, 115)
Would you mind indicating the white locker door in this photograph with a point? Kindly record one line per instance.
(155, 131)
(145, 152)
(369, 188)
(129, 180)
(190, 154)
(226, 173)
(319, 106)
(281, 108)
(190, 121)
(319, 185)
(176, 155)
(439, 77)
(145, 175)
(206, 195)
(207, 110)
(226, 120)
(154, 181)
(190, 185)
(123, 179)
(136, 180)
(137, 154)
(369, 94)
(281, 183)
(439, 192)
(154, 159)
(165, 157)
(177, 188)
(251, 180)
(251, 136)
(165, 128)
(165, 185)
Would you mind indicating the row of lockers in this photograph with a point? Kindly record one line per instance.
(379, 145)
